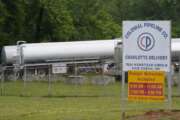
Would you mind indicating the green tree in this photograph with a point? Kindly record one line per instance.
(61, 21)
(149, 10)
(48, 20)
(13, 17)
(92, 20)
(2, 14)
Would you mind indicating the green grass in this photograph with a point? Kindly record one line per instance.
(67, 102)
(25, 108)
(59, 89)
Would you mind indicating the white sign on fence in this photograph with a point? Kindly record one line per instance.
(146, 45)
(59, 68)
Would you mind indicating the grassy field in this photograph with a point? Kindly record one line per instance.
(68, 102)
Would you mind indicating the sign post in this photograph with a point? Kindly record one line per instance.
(146, 59)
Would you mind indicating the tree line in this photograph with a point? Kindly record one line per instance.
(70, 20)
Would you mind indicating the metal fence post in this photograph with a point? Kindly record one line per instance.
(2, 81)
(24, 80)
(169, 90)
(49, 80)
(123, 96)
(75, 67)
(102, 70)
(178, 80)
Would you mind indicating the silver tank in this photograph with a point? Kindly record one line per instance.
(60, 51)
(79, 50)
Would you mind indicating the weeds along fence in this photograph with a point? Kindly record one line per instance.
(58, 80)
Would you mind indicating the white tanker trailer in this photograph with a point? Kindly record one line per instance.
(60, 51)
(175, 50)
(66, 51)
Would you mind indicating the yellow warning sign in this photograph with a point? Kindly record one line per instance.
(146, 85)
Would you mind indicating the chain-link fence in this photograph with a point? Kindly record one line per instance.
(59, 79)
(46, 78)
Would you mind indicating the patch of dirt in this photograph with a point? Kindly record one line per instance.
(157, 115)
